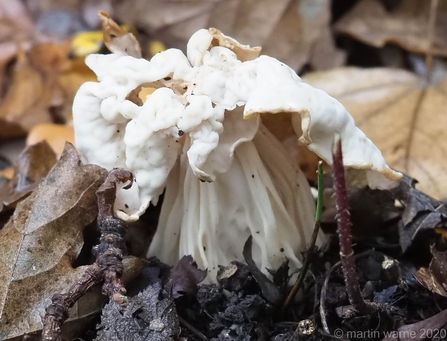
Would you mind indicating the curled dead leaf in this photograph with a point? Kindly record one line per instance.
(184, 277)
(116, 39)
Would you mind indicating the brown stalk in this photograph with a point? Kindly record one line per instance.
(344, 234)
(108, 267)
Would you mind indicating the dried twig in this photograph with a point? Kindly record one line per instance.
(344, 234)
(193, 329)
(325, 287)
(310, 250)
(108, 267)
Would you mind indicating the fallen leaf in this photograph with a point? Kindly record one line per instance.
(86, 42)
(426, 278)
(7, 173)
(16, 29)
(69, 81)
(50, 58)
(386, 295)
(184, 277)
(51, 61)
(42, 239)
(54, 134)
(303, 36)
(235, 277)
(226, 271)
(406, 25)
(255, 20)
(116, 39)
(17, 33)
(27, 101)
(33, 164)
(296, 32)
(418, 330)
(161, 17)
(268, 289)
(384, 104)
(421, 212)
(147, 316)
(438, 266)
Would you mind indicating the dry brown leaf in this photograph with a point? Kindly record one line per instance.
(26, 102)
(54, 134)
(255, 20)
(116, 39)
(33, 164)
(16, 29)
(406, 25)
(303, 35)
(296, 32)
(39, 84)
(69, 82)
(154, 15)
(384, 104)
(42, 239)
(8, 173)
(417, 330)
(50, 58)
(426, 278)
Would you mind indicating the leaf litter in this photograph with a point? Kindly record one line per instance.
(388, 98)
(299, 33)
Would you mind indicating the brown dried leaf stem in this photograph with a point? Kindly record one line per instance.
(108, 267)
(344, 234)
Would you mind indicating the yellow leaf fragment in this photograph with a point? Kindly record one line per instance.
(85, 43)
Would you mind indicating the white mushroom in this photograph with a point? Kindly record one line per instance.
(199, 135)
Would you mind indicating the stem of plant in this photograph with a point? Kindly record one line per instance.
(344, 234)
(108, 266)
(310, 247)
